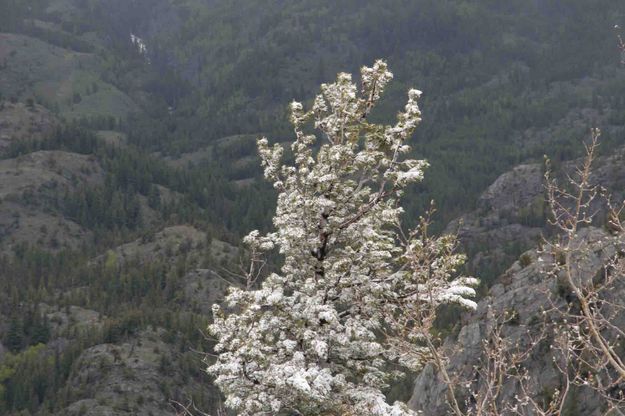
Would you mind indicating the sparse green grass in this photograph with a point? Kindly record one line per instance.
(61, 79)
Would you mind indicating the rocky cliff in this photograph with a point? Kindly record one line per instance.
(522, 294)
(512, 214)
(513, 211)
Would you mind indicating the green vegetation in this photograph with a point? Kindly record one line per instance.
(503, 83)
(169, 137)
(128, 298)
(59, 78)
(494, 75)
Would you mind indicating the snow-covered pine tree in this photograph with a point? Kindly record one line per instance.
(355, 296)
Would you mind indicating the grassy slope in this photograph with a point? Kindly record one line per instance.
(62, 79)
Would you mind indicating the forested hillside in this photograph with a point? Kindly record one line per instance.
(128, 168)
(503, 82)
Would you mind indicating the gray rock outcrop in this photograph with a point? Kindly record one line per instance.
(522, 294)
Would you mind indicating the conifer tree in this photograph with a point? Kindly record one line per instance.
(355, 295)
(15, 335)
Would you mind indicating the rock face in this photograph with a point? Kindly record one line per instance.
(523, 292)
(609, 172)
(511, 214)
(508, 220)
(142, 376)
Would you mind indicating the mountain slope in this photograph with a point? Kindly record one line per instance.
(512, 214)
(65, 80)
(522, 295)
(126, 174)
